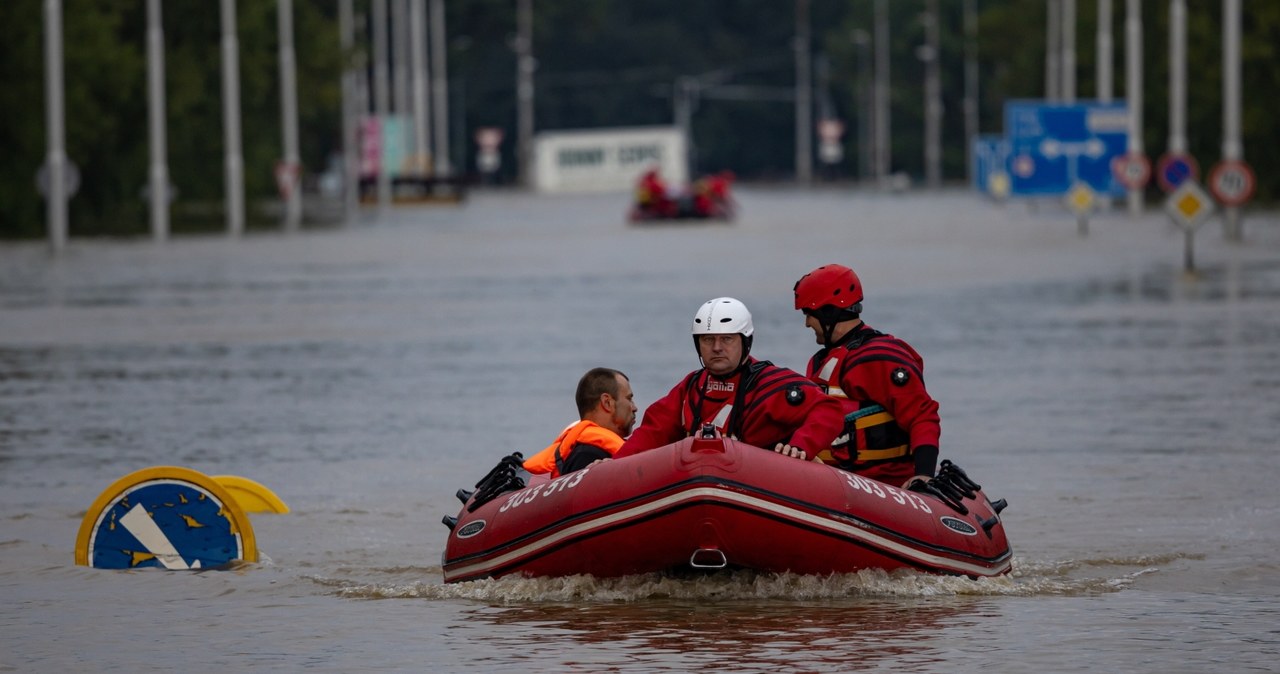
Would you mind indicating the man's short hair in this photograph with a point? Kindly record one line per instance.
(596, 381)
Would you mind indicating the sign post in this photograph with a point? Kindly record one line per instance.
(830, 151)
(488, 139)
(1189, 206)
(1082, 200)
(286, 179)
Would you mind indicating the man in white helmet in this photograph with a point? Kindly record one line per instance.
(754, 401)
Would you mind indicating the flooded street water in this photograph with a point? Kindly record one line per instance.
(1128, 413)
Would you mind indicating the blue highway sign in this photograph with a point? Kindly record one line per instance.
(1052, 146)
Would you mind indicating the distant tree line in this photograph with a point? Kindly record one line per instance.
(600, 64)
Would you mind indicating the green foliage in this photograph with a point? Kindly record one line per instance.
(599, 64)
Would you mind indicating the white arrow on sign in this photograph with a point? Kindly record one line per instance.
(143, 528)
(1052, 148)
(1094, 148)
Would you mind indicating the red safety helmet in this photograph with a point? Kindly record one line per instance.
(831, 284)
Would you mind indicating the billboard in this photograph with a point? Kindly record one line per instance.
(603, 160)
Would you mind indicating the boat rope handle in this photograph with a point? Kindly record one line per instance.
(941, 493)
(502, 479)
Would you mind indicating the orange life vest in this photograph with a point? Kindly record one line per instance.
(551, 459)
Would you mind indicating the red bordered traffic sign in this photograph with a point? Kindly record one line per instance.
(1175, 168)
(830, 129)
(1232, 182)
(489, 137)
(1132, 170)
(286, 177)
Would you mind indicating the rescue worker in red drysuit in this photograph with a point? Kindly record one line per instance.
(651, 195)
(891, 426)
(711, 195)
(754, 401)
(607, 412)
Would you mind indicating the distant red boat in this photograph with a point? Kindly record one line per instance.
(711, 503)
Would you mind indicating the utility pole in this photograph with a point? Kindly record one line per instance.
(350, 112)
(440, 87)
(932, 97)
(159, 185)
(1232, 148)
(1103, 70)
(1069, 51)
(1133, 90)
(804, 97)
(863, 104)
(400, 65)
(882, 90)
(1177, 77)
(381, 104)
(292, 168)
(1053, 51)
(418, 44)
(56, 160)
(971, 127)
(1105, 51)
(231, 119)
(524, 90)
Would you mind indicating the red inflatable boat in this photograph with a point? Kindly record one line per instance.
(710, 503)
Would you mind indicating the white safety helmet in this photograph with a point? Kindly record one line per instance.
(722, 316)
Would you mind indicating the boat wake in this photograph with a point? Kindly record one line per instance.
(1028, 578)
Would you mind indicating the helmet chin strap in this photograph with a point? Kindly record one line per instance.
(829, 317)
(828, 328)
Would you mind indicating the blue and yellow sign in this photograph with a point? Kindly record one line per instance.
(165, 517)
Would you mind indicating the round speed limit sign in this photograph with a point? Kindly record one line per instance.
(1232, 182)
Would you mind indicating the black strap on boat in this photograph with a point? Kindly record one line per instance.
(952, 473)
(941, 493)
(502, 479)
(951, 486)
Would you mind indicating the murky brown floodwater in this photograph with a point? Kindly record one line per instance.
(1127, 413)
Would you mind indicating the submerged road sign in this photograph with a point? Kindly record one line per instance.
(1188, 205)
(165, 517)
(990, 171)
(1133, 170)
(1174, 168)
(1232, 182)
(1053, 146)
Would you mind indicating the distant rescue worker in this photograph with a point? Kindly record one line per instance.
(752, 400)
(651, 194)
(711, 195)
(891, 426)
(607, 412)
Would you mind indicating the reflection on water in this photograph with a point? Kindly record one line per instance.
(737, 636)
